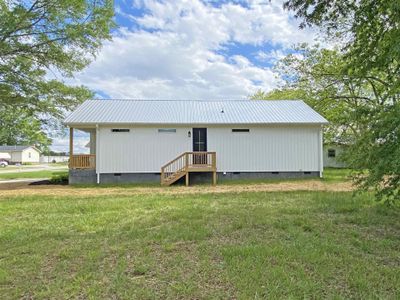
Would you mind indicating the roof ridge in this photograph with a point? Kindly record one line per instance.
(189, 100)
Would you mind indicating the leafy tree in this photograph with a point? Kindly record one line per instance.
(19, 128)
(369, 32)
(42, 42)
(317, 76)
(283, 93)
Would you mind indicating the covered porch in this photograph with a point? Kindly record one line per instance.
(82, 160)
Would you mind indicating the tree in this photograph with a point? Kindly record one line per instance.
(41, 43)
(317, 76)
(369, 32)
(20, 128)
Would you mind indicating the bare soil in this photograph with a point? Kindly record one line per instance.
(28, 189)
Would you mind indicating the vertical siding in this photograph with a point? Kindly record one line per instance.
(267, 148)
(143, 149)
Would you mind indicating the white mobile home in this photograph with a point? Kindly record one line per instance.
(140, 140)
(21, 154)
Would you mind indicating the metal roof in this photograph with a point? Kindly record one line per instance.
(194, 112)
(14, 148)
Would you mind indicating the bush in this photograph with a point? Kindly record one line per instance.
(59, 178)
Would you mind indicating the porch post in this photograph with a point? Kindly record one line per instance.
(71, 144)
(187, 169)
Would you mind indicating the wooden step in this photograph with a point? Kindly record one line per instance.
(174, 177)
(189, 162)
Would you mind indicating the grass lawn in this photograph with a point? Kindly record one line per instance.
(31, 174)
(227, 245)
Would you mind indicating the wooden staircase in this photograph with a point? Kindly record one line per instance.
(189, 162)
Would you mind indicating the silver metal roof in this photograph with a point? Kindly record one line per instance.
(194, 112)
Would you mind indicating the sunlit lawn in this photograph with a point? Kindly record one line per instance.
(31, 174)
(232, 245)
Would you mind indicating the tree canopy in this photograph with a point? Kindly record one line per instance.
(355, 86)
(42, 43)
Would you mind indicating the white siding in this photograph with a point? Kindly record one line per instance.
(268, 149)
(141, 150)
(30, 155)
(264, 148)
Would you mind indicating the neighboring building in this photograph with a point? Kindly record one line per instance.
(22, 154)
(134, 140)
(48, 159)
(332, 153)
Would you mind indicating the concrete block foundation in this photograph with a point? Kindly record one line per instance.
(89, 177)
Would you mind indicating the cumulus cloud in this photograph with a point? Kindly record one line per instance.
(81, 139)
(174, 51)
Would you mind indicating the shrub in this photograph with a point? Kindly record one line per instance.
(59, 178)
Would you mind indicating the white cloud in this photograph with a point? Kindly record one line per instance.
(271, 56)
(61, 144)
(174, 54)
(162, 65)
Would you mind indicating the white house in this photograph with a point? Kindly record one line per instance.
(22, 154)
(332, 153)
(48, 159)
(140, 140)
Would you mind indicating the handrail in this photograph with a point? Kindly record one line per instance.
(175, 159)
(188, 161)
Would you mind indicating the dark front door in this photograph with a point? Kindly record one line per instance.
(199, 139)
(200, 145)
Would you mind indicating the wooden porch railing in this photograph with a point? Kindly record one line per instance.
(82, 161)
(189, 162)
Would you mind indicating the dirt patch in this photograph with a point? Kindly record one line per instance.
(26, 189)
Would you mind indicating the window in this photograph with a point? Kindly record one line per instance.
(29, 155)
(240, 130)
(120, 130)
(331, 153)
(167, 130)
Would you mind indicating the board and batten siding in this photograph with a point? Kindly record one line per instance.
(266, 149)
(141, 150)
(285, 148)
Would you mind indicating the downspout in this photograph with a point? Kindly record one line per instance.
(97, 153)
(321, 150)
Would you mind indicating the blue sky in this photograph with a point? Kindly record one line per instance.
(191, 49)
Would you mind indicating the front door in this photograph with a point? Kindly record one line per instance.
(200, 145)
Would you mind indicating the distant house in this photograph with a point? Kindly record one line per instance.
(133, 140)
(22, 154)
(49, 159)
(332, 153)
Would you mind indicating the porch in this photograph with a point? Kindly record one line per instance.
(82, 160)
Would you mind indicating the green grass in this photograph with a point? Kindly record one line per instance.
(234, 245)
(336, 175)
(32, 174)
